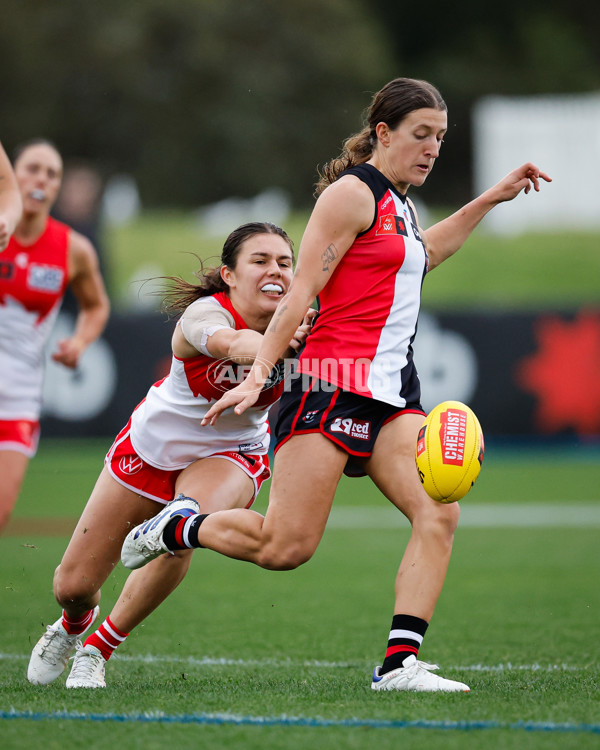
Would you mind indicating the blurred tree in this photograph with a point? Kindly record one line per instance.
(473, 49)
(199, 99)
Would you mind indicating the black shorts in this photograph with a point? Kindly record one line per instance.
(351, 421)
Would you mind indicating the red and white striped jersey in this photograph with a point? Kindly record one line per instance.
(165, 428)
(368, 311)
(33, 279)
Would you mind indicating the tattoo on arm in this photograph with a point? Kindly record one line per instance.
(330, 254)
(277, 317)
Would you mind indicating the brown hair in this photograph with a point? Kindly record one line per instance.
(391, 105)
(180, 293)
(22, 147)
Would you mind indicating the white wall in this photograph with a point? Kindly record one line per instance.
(561, 134)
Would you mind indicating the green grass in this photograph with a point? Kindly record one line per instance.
(524, 272)
(518, 621)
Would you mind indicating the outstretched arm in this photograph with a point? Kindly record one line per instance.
(446, 237)
(342, 211)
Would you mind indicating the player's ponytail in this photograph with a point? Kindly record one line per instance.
(390, 105)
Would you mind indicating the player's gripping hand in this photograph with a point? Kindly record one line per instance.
(302, 332)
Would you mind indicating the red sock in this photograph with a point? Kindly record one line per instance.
(77, 626)
(106, 638)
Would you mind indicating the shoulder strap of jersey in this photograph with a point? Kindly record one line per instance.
(225, 302)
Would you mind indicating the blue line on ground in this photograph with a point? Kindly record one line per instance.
(299, 721)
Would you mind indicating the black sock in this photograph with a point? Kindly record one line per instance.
(182, 533)
(405, 639)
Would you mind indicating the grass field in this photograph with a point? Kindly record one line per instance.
(244, 658)
(525, 272)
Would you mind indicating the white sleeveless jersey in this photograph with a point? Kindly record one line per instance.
(165, 428)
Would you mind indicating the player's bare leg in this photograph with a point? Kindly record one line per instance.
(424, 564)
(216, 484)
(13, 466)
(306, 473)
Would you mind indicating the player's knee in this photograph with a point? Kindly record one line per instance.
(71, 590)
(288, 557)
(438, 520)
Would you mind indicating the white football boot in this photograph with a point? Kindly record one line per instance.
(416, 676)
(52, 652)
(145, 542)
(88, 668)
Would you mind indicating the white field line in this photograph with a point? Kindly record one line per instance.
(567, 515)
(201, 661)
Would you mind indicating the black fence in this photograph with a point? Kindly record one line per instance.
(524, 374)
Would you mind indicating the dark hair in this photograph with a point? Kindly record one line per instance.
(391, 105)
(180, 293)
(19, 150)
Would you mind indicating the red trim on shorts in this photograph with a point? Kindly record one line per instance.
(400, 413)
(349, 451)
(20, 435)
(301, 406)
(132, 472)
(326, 411)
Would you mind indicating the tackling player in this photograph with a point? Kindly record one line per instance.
(163, 453)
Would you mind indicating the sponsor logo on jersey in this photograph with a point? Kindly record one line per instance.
(385, 203)
(453, 432)
(45, 278)
(392, 224)
(131, 464)
(355, 428)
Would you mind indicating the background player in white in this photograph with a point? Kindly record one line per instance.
(163, 451)
(41, 259)
(360, 253)
(10, 200)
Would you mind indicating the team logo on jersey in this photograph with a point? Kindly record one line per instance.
(355, 428)
(392, 224)
(45, 278)
(310, 416)
(131, 464)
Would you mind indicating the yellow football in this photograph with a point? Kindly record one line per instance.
(449, 451)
